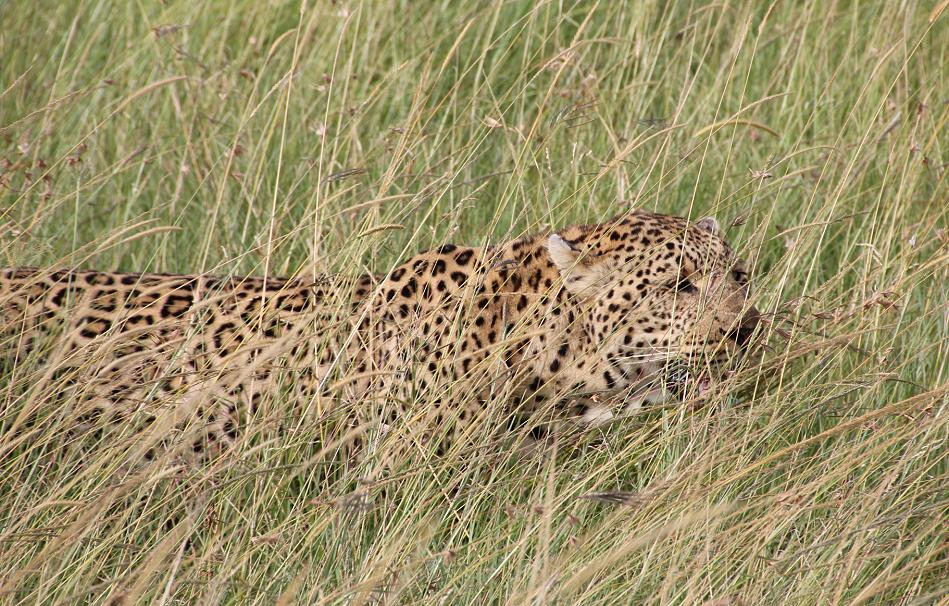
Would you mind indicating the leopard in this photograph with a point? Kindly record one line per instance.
(587, 322)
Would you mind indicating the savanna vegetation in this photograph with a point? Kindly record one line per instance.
(338, 137)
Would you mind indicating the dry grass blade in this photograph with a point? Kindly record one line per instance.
(616, 497)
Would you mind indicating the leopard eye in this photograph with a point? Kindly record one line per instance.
(740, 276)
(684, 285)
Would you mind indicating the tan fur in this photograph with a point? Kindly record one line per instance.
(571, 318)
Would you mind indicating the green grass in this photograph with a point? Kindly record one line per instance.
(339, 137)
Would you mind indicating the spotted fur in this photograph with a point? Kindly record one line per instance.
(563, 320)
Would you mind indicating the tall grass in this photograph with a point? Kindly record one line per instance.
(339, 137)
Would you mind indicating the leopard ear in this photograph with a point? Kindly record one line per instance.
(580, 274)
(709, 224)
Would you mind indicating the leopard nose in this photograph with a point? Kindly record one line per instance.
(746, 327)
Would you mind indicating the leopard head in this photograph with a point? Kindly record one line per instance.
(655, 292)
